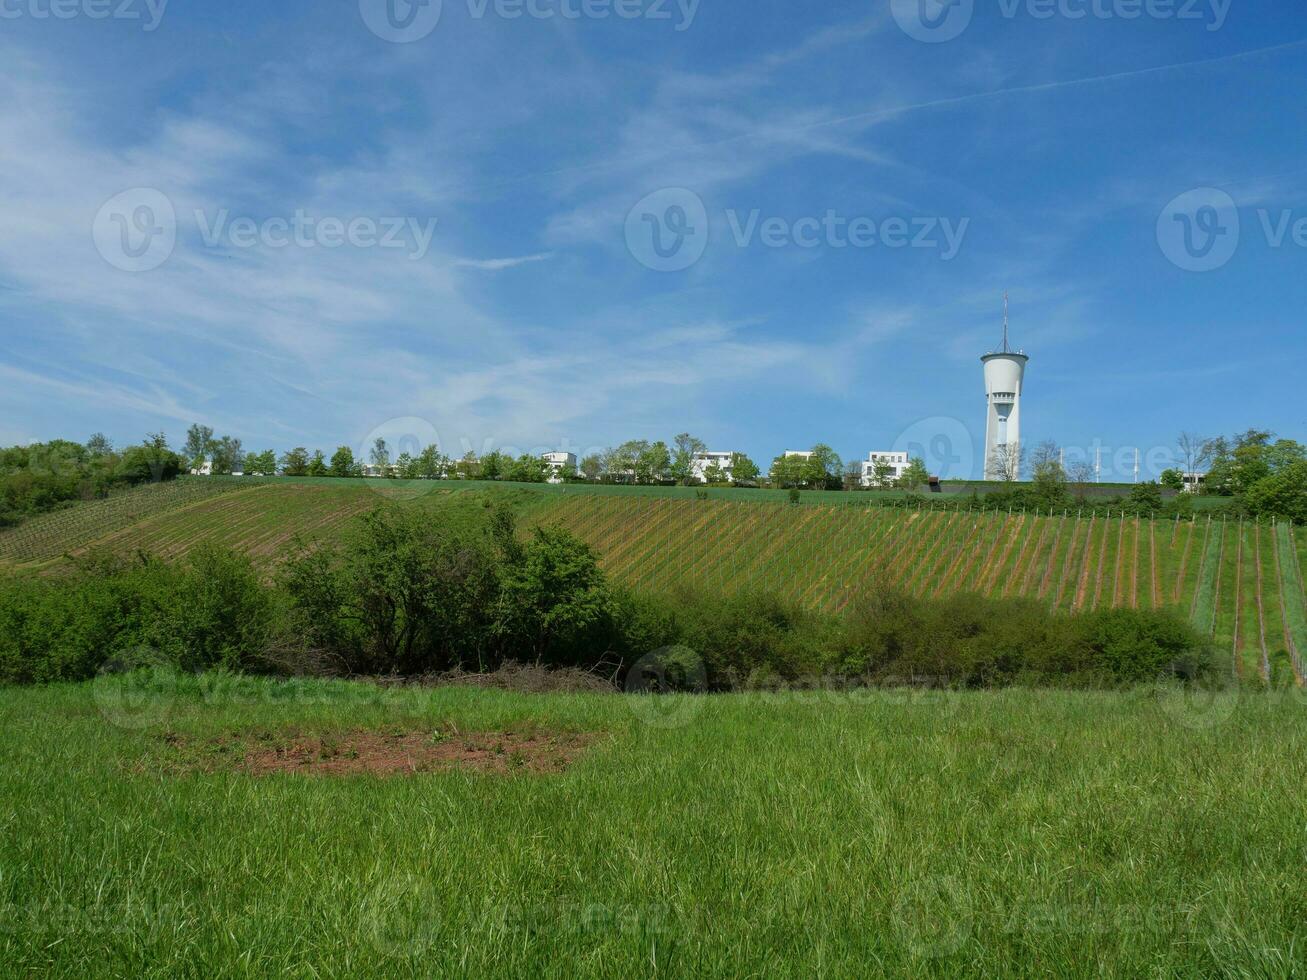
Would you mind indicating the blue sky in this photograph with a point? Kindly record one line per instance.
(540, 153)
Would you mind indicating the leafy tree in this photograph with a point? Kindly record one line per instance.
(432, 464)
(264, 463)
(1146, 498)
(623, 464)
(682, 466)
(528, 469)
(882, 472)
(788, 471)
(408, 467)
(469, 467)
(342, 462)
(199, 444)
(744, 471)
(494, 465)
(1251, 456)
(227, 455)
(592, 467)
(1172, 479)
(404, 593)
(554, 595)
(150, 462)
(1282, 494)
(652, 463)
(380, 454)
(916, 475)
(823, 468)
(318, 465)
(714, 475)
(99, 445)
(1048, 489)
(296, 462)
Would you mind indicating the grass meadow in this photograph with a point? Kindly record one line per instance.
(904, 833)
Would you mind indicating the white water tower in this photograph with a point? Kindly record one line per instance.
(1005, 372)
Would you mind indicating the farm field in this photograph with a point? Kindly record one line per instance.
(49, 536)
(987, 833)
(1240, 583)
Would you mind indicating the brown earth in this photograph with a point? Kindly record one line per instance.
(387, 753)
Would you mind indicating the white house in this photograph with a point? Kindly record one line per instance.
(701, 463)
(1193, 482)
(204, 469)
(799, 453)
(898, 465)
(560, 463)
(374, 471)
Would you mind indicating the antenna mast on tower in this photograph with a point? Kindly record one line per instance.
(1006, 348)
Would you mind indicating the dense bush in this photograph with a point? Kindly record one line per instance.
(413, 592)
(44, 476)
(209, 612)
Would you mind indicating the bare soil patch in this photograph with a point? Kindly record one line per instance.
(384, 753)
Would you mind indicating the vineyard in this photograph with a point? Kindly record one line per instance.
(54, 534)
(1239, 582)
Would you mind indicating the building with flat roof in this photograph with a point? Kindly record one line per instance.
(896, 462)
(559, 464)
(701, 463)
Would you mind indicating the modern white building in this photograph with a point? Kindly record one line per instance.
(559, 463)
(204, 469)
(897, 462)
(373, 471)
(1005, 372)
(1193, 482)
(701, 463)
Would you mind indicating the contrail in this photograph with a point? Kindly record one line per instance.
(878, 114)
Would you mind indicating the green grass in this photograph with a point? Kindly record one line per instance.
(906, 834)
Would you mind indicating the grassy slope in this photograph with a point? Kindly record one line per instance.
(818, 555)
(1012, 833)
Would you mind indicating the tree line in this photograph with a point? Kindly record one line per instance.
(44, 476)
